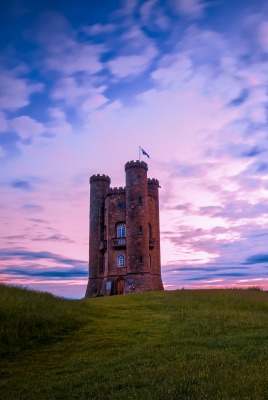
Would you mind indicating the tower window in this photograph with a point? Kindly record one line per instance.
(140, 259)
(121, 260)
(140, 229)
(121, 230)
(139, 201)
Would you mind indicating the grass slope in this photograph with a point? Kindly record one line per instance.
(158, 345)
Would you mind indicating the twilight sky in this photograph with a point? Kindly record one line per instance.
(84, 83)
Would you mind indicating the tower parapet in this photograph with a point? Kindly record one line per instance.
(153, 181)
(136, 164)
(116, 191)
(99, 177)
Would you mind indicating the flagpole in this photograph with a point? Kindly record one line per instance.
(139, 153)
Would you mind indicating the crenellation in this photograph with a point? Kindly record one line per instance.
(153, 181)
(99, 177)
(136, 164)
(116, 191)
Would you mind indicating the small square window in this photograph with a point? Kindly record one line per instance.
(140, 229)
(139, 201)
(140, 259)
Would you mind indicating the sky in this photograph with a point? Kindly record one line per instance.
(83, 84)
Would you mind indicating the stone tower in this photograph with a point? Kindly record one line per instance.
(124, 242)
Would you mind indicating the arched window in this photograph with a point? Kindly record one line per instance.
(121, 260)
(121, 230)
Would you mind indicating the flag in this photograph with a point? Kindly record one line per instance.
(144, 153)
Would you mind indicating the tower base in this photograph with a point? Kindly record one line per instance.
(131, 283)
(137, 283)
(94, 287)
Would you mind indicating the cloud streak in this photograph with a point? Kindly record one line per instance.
(21, 254)
(72, 273)
(257, 259)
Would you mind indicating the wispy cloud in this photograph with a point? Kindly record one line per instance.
(55, 238)
(22, 184)
(28, 271)
(26, 127)
(257, 259)
(22, 254)
(240, 99)
(190, 8)
(30, 207)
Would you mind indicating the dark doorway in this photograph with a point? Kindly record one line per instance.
(120, 285)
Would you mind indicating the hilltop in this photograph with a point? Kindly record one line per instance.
(204, 344)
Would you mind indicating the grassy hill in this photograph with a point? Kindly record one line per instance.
(210, 344)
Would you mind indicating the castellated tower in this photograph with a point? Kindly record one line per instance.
(124, 242)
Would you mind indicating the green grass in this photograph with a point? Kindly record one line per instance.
(210, 344)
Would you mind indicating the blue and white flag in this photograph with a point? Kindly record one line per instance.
(144, 153)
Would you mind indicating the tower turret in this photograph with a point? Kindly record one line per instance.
(99, 185)
(136, 223)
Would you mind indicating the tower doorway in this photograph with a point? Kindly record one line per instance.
(120, 285)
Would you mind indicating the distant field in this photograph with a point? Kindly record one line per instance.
(203, 344)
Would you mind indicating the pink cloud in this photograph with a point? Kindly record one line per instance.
(75, 57)
(26, 126)
(190, 8)
(124, 66)
(99, 29)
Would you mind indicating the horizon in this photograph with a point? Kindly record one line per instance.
(83, 86)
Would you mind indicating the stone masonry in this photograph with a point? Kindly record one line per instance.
(124, 240)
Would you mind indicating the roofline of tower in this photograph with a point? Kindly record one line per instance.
(153, 181)
(136, 164)
(116, 190)
(99, 177)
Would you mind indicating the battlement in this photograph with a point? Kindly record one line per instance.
(116, 191)
(136, 164)
(153, 181)
(99, 177)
